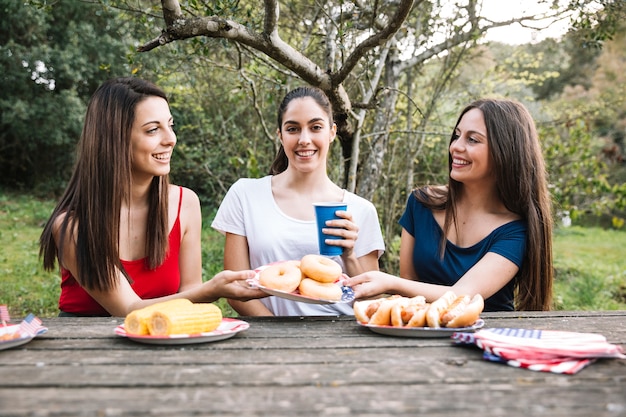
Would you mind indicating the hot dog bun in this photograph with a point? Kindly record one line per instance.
(438, 307)
(362, 310)
(449, 310)
(382, 316)
(403, 312)
(452, 311)
(465, 313)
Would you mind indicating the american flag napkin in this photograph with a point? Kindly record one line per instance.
(559, 352)
(31, 325)
(4, 315)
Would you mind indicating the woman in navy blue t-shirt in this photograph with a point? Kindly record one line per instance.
(489, 231)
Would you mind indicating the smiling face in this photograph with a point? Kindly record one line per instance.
(469, 150)
(152, 138)
(306, 134)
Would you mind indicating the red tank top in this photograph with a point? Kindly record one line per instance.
(147, 283)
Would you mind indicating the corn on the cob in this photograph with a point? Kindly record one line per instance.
(136, 322)
(196, 318)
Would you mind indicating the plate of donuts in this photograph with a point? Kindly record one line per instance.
(423, 332)
(314, 279)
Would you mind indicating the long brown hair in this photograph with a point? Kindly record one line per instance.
(280, 161)
(100, 182)
(522, 186)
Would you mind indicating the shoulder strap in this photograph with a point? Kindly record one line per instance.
(180, 201)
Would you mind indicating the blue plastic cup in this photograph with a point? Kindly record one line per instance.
(323, 212)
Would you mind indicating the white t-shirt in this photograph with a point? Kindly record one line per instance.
(249, 210)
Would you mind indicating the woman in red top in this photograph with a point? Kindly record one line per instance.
(123, 236)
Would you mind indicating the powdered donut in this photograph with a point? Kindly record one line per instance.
(322, 290)
(320, 268)
(285, 276)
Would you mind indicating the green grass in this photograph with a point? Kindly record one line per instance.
(25, 287)
(590, 262)
(590, 268)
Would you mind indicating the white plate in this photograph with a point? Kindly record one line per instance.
(423, 332)
(23, 339)
(227, 329)
(347, 297)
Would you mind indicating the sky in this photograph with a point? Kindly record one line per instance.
(516, 34)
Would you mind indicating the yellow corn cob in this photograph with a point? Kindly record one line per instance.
(197, 318)
(136, 322)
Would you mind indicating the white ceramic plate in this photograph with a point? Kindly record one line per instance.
(22, 339)
(424, 332)
(348, 293)
(227, 329)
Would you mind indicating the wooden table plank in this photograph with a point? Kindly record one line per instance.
(301, 367)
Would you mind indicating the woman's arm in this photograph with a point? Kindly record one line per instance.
(407, 245)
(486, 278)
(190, 256)
(122, 299)
(236, 258)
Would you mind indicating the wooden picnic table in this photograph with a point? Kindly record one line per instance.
(315, 366)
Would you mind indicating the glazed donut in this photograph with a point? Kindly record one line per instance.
(320, 268)
(321, 290)
(284, 276)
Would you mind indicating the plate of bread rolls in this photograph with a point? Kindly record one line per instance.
(414, 317)
(177, 322)
(313, 279)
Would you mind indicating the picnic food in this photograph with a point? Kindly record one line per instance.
(320, 274)
(10, 336)
(376, 311)
(136, 322)
(451, 310)
(314, 276)
(447, 311)
(285, 276)
(322, 290)
(196, 318)
(320, 268)
(179, 316)
(411, 313)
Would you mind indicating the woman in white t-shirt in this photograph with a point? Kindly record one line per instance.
(272, 218)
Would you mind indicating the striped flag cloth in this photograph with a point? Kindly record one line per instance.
(4, 314)
(31, 324)
(541, 350)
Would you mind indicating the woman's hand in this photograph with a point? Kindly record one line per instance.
(233, 285)
(345, 229)
(372, 284)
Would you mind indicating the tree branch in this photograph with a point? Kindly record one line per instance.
(269, 42)
(378, 39)
(171, 11)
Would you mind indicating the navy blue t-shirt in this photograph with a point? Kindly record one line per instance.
(508, 240)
